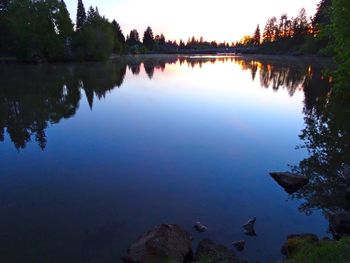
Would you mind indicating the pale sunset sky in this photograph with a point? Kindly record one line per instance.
(216, 20)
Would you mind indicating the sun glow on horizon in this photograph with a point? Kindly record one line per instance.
(226, 20)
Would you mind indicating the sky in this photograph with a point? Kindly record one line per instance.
(220, 20)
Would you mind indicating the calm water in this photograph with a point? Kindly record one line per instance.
(92, 155)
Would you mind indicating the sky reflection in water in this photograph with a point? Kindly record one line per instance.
(95, 154)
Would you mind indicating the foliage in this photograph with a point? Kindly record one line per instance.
(309, 251)
(133, 38)
(257, 36)
(148, 39)
(341, 34)
(119, 39)
(81, 16)
(95, 40)
(41, 29)
(298, 35)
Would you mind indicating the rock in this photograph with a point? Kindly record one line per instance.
(294, 242)
(210, 252)
(339, 224)
(249, 227)
(289, 181)
(239, 245)
(200, 227)
(164, 243)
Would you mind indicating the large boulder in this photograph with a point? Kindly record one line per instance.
(289, 181)
(165, 243)
(210, 252)
(339, 224)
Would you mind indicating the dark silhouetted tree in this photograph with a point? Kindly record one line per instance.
(81, 16)
(148, 39)
(119, 34)
(269, 34)
(119, 39)
(257, 36)
(284, 26)
(133, 38)
(301, 25)
(341, 33)
(64, 23)
(162, 39)
(95, 40)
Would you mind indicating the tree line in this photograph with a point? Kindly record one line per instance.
(42, 30)
(293, 35)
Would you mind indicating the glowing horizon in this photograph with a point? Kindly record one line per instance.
(227, 20)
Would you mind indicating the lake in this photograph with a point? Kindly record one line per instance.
(94, 154)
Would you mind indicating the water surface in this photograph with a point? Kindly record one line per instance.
(94, 154)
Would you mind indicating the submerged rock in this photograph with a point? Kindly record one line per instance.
(249, 228)
(239, 245)
(164, 243)
(339, 224)
(289, 181)
(200, 227)
(210, 252)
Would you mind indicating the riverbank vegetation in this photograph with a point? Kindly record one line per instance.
(43, 31)
(308, 249)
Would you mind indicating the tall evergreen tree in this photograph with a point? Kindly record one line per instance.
(118, 37)
(162, 39)
(119, 34)
(323, 13)
(269, 34)
(133, 38)
(257, 36)
(64, 27)
(81, 16)
(301, 25)
(148, 39)
(96, 40)
(283, 26)
(64, 23)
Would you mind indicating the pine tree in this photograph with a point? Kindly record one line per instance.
(119, 39)
(119, 34)
(162, 39)
(283, 26)
(301, 24)
(148, 39)
(257, 36)
(81, 15)
(269, 34)
(64, 23)
(133, 38)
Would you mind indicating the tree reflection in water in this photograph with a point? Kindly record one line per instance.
(33, 97)
(326, 135)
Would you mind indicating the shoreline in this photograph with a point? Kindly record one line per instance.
(114, 57)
